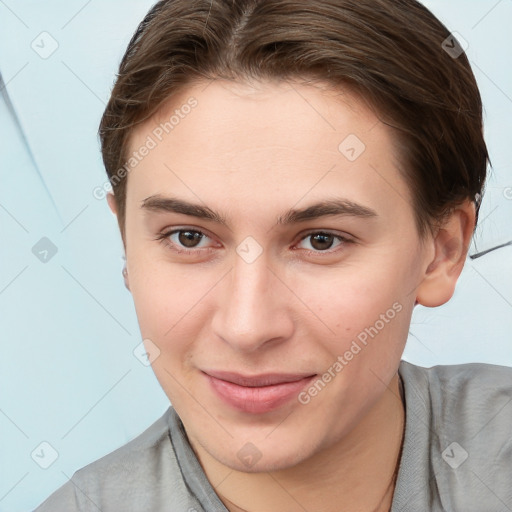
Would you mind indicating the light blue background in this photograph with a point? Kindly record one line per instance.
(68, 375)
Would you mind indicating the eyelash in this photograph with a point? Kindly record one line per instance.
(163, 237)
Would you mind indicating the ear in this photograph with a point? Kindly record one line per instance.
(111, 200)
(112, 203)
(450, 243)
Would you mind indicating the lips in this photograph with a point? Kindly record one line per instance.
(259, 393)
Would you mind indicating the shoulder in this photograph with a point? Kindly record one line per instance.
(143, 474)
(462, 419)
(479, 378)
(142, 452)
(469, 389)
(467, 401)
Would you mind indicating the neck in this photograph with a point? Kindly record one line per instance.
(356, 473)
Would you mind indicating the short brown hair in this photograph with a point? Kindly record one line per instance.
(391, 52)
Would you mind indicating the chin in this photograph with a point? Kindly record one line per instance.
(267, 458)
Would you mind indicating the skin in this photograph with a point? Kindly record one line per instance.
(251, 153)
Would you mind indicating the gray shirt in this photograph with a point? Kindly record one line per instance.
(457, 454)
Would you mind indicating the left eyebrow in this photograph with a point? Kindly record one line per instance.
(326, 208)
(158, 203)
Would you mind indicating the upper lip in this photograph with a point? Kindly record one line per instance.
(267, 379)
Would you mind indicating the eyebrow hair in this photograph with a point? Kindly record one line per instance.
(158, 203)
(325, 208)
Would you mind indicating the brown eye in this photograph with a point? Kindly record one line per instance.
(189, 238)
(185, 240)
(322, 241)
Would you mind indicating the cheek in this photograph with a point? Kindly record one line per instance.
(363, 309)
(169, 302)
(350, 297)
(167, 315)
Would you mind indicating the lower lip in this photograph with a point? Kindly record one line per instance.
(257, 400)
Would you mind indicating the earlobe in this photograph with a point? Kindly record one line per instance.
(125, 278)
(451, 244)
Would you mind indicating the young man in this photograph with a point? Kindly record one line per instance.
(290, 179)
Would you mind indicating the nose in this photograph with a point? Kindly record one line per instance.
(252, 308)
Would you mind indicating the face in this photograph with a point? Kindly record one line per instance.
(273, 260)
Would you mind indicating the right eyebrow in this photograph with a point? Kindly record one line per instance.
(158, 203)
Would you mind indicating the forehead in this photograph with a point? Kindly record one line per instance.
(220, 139)
(270, 112)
